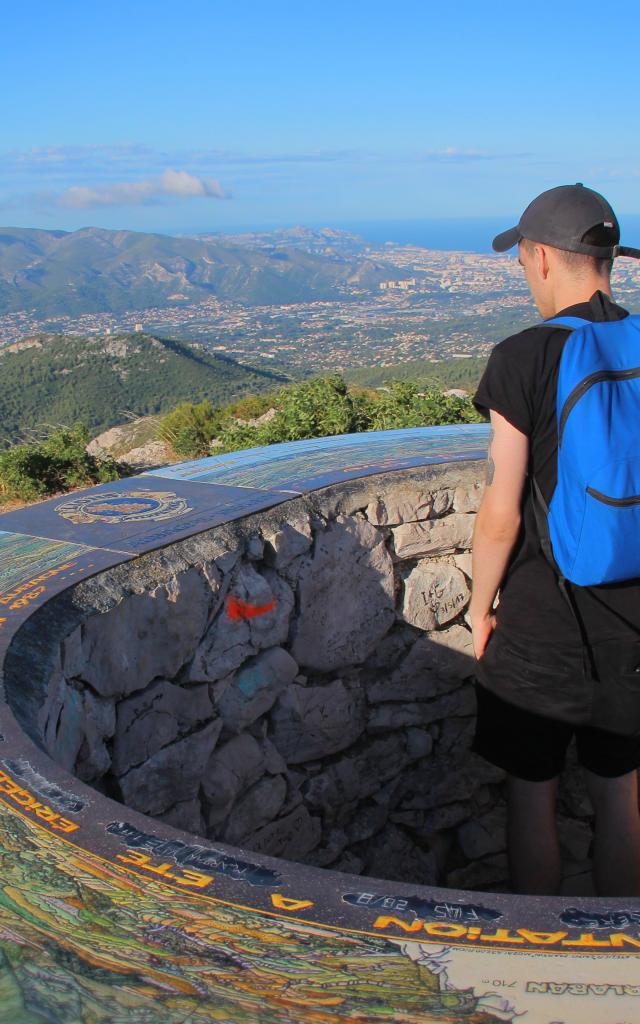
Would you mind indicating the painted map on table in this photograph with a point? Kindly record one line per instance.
(86, 940)
(128, 517)
(302, 466)
(105, 922)
(22, 557)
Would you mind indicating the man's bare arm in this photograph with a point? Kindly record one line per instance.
(497, 523)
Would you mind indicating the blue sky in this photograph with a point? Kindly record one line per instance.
(206, 115)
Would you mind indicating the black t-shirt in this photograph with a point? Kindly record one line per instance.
(520, 383)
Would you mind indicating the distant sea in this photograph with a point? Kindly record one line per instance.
(462, 234)
(471, 234)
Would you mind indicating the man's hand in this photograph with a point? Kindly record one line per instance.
(482, 627)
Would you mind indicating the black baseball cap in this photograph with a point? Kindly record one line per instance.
(562, 217)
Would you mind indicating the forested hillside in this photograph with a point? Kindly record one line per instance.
(100, 381)
(442, 373)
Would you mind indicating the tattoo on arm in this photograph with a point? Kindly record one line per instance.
(491, 466)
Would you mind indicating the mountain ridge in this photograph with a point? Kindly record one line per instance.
(95, 270)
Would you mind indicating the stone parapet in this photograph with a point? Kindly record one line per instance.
(328, 636)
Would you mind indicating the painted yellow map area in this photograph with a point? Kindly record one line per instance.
(85, 942)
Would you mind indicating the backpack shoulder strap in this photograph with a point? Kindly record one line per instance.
(541, 513)
(572, 323)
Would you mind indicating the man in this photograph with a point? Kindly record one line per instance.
(530, 650)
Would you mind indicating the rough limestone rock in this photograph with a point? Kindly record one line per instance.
(425, 824)
(171, 776)
(435, 664)
(573, 798)
(291, 837)
(255, 548)
(434, 537)
(463, 562)
(274, 762)
(403, 505)
(436, 781)
(409, 504)
(146, 635)
(346, 595)
(444, 779)
(356, 776)
(419, 743)
(485, 835)
(348, 864)
(334, 843)
(457, 733)
(273, 628)
(72, 655)
(390, 650)
(256, 687)
(63, 722)
(490, 872)
(99, 725)
(434, 594)
(467, 497)
(259, 805)
(291, 540)
(442, 501)
(224, 647)
(576, 838)
(368, 820)
(309, 722)
(392, 855)
(384, 717)
(148, 721)
(74, 726)
(255, 614)
(186, 815)
(294, 796)
(231, 769)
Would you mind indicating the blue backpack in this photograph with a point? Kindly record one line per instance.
(594, 515)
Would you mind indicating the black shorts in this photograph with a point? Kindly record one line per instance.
(532, 747)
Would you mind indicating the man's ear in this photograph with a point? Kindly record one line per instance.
(542, 261)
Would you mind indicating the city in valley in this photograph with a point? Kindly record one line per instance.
(433, 305)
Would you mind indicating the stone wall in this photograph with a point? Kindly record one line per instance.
(298, 684)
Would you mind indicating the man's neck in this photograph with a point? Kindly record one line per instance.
(576, 292)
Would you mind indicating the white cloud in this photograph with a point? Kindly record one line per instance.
(180, 183)
(48, 156)
(140, 193)
(108, 158)
(452, 154)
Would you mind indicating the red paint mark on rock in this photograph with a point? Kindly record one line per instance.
(238, 609)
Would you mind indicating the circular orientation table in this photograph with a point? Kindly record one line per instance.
(107, 915)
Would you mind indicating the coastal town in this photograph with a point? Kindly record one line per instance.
(435, 304)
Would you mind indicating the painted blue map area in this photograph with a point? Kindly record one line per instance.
(302, 466)
(138, 514)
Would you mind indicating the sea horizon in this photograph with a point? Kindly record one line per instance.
(447, 234)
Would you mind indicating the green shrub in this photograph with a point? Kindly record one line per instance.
(57, 464)
(252, 406)
(404, 405)
(239, 435)
(189, 428)
(320, 407)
